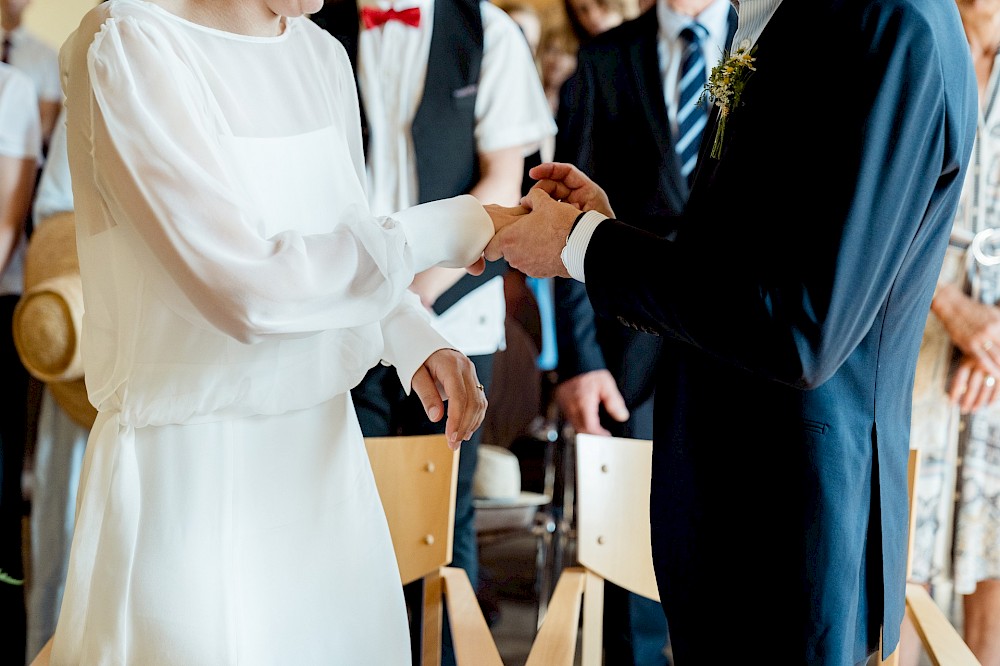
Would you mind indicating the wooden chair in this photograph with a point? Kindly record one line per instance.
(942, 643)
(612, 544)
(416, 479)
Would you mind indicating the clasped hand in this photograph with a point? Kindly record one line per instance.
(531, 236)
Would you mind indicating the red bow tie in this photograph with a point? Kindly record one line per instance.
(373, 17)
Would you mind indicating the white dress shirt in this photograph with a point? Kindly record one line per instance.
(754, 15)
(20, 138)
(753, 18)
(510, 110)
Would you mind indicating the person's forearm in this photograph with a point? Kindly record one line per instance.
(430, 284)
(948, 302)
(501, 173)
(17, 182)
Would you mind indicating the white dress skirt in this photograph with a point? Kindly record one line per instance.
(236, 287)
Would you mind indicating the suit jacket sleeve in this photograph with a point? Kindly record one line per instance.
(794, 241)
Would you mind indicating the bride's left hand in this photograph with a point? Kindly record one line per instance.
(456, 376)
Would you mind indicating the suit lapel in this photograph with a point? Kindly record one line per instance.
(646, 77)
(645, 63)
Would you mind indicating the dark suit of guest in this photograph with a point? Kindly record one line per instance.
(613, 112)
(793, 300)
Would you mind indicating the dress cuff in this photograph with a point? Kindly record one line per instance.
(409, 339)
(450, 232)
(576, 244)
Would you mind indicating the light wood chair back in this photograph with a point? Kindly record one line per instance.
(417, 480)
(942, 643)
(613, 544)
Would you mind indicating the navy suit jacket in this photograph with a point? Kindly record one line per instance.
(797, 290)
(612, 113)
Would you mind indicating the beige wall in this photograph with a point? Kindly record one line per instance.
(53, 20)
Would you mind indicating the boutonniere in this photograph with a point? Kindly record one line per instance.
(725, 86)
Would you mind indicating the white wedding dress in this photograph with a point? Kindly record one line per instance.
(236, 287)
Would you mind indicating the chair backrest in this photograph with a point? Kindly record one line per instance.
(417, 479)
(612, 505)
(613, 544)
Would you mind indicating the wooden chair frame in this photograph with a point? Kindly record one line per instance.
(612, 545)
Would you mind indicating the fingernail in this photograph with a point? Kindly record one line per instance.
(435, 413)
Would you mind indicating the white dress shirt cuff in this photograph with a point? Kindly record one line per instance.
(450, 232)
(579, 239)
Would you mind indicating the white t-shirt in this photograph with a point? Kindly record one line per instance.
(55, 189)
(39, 61)
(20, 138)
(511, 110)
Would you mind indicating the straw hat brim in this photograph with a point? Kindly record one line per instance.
(48, 317)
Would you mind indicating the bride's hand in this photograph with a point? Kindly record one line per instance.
(455, 374)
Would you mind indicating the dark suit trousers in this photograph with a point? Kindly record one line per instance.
(13, 429)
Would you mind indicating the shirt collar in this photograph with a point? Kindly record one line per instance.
(754, 16)
(714, 18)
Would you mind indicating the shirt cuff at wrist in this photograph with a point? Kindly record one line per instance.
(575, 250)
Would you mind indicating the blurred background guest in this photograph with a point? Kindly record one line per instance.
(20, 155)
(956, 416)
(589, 18)
(528, 19)
(557, 58)
(35, 58)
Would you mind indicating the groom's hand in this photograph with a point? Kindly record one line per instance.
(533, 243)
(565, 182)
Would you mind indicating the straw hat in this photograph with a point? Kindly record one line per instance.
(48, 317)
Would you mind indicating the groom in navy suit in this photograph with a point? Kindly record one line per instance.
(793, 294)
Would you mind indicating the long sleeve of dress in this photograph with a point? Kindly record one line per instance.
(187, 213)
(230, 260)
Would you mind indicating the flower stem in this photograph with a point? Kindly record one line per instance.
(719, 131)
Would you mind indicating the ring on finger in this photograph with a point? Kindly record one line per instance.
(990, 381)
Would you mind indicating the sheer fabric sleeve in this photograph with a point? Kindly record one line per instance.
(169, 190)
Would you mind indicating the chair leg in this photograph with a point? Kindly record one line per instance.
(592, 650)
(430, 649)
(544, 572)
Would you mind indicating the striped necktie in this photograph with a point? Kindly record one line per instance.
(691, 118)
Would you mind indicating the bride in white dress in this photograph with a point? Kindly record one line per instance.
(236, 287)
